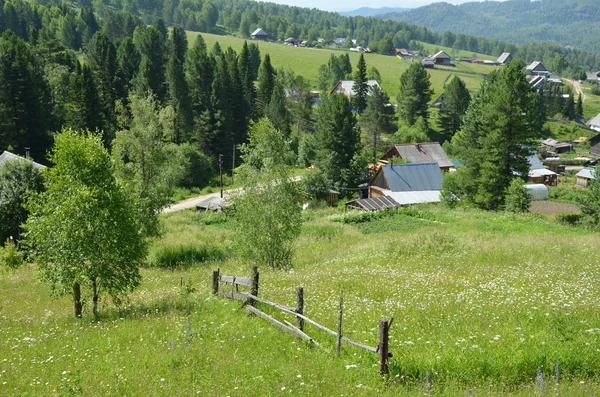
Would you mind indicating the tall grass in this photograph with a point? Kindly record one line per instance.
(480, 301)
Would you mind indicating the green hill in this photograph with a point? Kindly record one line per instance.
(481, 301)
(571, 23)
(306, 62)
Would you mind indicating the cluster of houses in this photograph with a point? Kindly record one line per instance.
(413, 173)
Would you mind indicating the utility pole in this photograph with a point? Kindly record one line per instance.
(221, 172)
(233, 165)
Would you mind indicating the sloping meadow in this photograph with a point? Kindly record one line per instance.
(482, 303)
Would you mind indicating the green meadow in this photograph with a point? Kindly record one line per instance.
(306, 62)
(483, 304)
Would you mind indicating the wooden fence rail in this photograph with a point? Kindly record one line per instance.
(251, 297)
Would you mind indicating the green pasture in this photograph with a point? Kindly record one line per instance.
(306, 62)
(481, 301)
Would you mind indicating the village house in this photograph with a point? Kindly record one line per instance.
(594, 124)
(585, 176)
(346, 87)
(595, 144)
(8, 156)
(291, 41)
(259, 34)
(441, 58)
(427, 152)
(539, 174)
(504, 58)
(407, 183)
(537, 68)
(428, 63)
(554, 146)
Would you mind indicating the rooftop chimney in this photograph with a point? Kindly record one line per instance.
(27, 152)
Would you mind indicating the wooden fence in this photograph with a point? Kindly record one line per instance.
(231, 285)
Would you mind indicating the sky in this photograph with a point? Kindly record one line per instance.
(348, 5)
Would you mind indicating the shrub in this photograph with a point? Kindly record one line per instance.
(569, 219)
(10, 256)
(517, 198)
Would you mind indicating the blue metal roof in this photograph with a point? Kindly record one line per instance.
(413, 177)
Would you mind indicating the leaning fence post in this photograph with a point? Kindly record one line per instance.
(300, 307)
(215, 281)
(254, 288)
(339, 334)
(384, 328)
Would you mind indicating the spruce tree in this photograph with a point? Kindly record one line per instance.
(579, 108)
(151, 74)
(378, 118)
(492, 144)
(25, 118)
(415, 93)
(455, 104)
(128, 59)
(338, 139)
(360, 88)
(277, 113)
(84, 107)
(266, 83)
(103, 56)
(179, 96)
(199, 74)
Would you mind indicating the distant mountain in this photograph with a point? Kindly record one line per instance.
(572, 23)
(371, 12)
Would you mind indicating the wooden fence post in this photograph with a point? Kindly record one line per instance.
(300, 307)
(384, 328)
(339, 334)
(215, 281)
(254, 288)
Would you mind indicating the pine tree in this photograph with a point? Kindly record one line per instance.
(455, 104)
(499, 124)
(415, 93)
(360, 88)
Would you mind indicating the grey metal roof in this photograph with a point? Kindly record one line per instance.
(535, 163)
(374, 203)
(502, 58)
(594, 122)
(407, 198)
(424, 153)
(259, 32)
(8, 156)
(587, 173)
(348, 86)
(536, 66)
(413, 177)
(440, 54)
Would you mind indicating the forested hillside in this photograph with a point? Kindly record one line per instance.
(571, 23)
(83, 67)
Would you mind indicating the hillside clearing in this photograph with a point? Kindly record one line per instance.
(306, 61)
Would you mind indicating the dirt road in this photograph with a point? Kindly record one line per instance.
(194, 201)
(577, 88)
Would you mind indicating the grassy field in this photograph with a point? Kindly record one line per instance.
(306, 62)
(480, 301)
